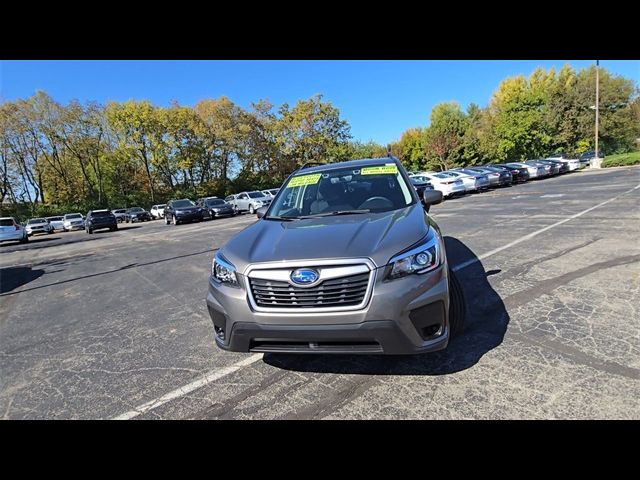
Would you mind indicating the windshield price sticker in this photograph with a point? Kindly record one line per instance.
(380, 170)
(303, 180)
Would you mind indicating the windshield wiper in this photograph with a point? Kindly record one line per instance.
(284, 219)
(338, 212)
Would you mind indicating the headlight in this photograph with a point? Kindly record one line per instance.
(223, 271)
(425, 257)
(258, 203)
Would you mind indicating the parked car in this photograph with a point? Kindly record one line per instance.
(182, 210)
(214, 207)
(471, 183)
(56, 223)
(505, 178)
(543, 170)
(120, 214)
(586, 157)
(482, 179)
(534, 170)
(519, 174)
(100, 219)
(444, 183)
(557, 166)
(420, 184)
(248, 201)
(574, 163)
(346, 260)
(494, 177)
(12, 231)
(137, 214)
(38, 225)
(271, 192)
(157, 211)
(73, 221)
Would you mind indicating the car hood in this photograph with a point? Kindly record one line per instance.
(378, 236)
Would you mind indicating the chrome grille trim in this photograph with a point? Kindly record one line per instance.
(269, 282)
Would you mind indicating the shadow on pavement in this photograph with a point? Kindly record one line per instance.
(485, 325)
(14, 277)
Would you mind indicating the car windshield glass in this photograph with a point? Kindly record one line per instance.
(160, 206)
(36, 220)
(101, 214)
(136, 209)
(6, 222)
(215, 201)
(441, 175)
(256, 194)
(183, 203)
(374, 188)
(73, 215)
(54, 219)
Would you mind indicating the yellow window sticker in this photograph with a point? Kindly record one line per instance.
(303, 180)
(389, 168)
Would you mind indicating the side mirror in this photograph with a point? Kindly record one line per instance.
(431, 197)
(261, 211)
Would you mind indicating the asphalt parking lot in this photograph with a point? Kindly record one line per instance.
(114, 325)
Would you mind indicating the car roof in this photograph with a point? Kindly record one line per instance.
(364, 162)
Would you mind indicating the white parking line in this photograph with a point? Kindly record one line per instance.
(207, 378)
(537, 232)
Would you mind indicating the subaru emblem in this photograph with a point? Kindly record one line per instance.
(304, 276)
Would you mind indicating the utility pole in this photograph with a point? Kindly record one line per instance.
(597, 163)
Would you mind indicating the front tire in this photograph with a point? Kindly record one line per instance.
(25, 239)
(457, 306)
(251, 209)
(167, 221)
(175, 220)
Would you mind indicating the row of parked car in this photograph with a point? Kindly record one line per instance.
(175, 211)
(459, 181)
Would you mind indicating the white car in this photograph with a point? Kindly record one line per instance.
(271, 192)
(444, 183)
(56, 223)
(470, 183)
(157, 211)
(38, 225)
(11, 231)
(73, 221)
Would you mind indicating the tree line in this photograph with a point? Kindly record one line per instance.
(56, 158)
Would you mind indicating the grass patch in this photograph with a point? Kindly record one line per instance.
(622, 160)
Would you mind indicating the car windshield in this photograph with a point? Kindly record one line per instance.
(104, 213)
(419, 178)
(215, 201)
(183, 203)
(54, 219)
(416, 180)
(73, 215)
(255, 194)
(372, 188)
(36, 220)
(160, 206)
(136, 209)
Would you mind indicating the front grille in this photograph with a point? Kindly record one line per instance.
(336, 292)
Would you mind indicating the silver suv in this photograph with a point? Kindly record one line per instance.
(248, 201)
(345, 260)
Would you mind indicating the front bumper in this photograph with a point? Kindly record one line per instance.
(405, 316)
(74, 227)
(221, 213)
(33, 231)
(187, 217)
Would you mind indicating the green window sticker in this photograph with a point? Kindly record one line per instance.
(389, 169)
(303, 180)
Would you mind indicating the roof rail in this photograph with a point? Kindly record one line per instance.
(309, 164)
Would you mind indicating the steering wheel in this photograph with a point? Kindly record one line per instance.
(377, 202)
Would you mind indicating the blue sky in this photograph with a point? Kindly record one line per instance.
(380, 99)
